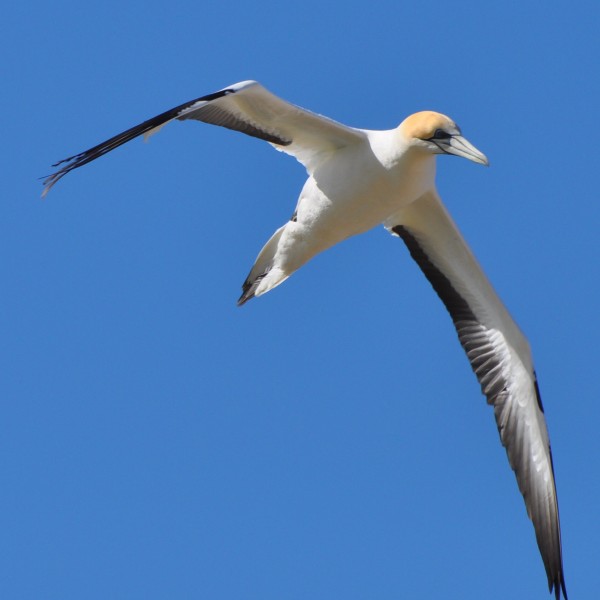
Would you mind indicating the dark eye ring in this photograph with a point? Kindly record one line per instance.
(440, 134)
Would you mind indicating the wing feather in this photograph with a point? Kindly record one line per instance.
(500, 357)
(246, 107)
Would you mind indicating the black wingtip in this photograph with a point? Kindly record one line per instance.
(558, 585)
(562, 587)
(50, 180)
(78, 160)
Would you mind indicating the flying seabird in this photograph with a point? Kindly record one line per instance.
(358, 179)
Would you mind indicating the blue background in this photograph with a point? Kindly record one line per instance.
(327, 440)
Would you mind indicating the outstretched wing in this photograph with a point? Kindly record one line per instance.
(247, 107)
(500, 357)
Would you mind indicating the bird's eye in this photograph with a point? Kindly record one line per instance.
(440, 134)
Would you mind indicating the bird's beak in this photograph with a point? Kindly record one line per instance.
(460, 146)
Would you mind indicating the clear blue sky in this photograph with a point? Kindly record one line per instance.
(327, 440)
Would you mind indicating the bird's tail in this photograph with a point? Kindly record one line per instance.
(265, 274)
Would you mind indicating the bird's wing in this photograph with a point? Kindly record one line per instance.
(500, 357)
(247, 107)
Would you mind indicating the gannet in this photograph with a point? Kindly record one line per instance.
(358, 179)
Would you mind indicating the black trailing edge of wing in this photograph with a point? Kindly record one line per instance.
(487, 366)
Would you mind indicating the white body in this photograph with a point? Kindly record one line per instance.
(353, 190)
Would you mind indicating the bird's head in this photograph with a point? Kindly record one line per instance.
(438, 134)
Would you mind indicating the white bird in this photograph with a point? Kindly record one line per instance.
(358, 179)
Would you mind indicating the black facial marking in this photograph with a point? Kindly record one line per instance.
(440, 134)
